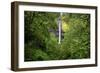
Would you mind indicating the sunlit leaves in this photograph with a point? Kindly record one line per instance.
(65, 26)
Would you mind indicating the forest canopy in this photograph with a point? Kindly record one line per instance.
(42, 35)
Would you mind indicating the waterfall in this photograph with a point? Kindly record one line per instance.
(59, 27)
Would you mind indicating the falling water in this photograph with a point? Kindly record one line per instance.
(59, 27)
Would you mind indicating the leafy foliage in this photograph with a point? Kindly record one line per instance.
(41, 40)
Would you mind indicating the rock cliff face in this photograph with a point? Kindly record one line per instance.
(57, 33)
